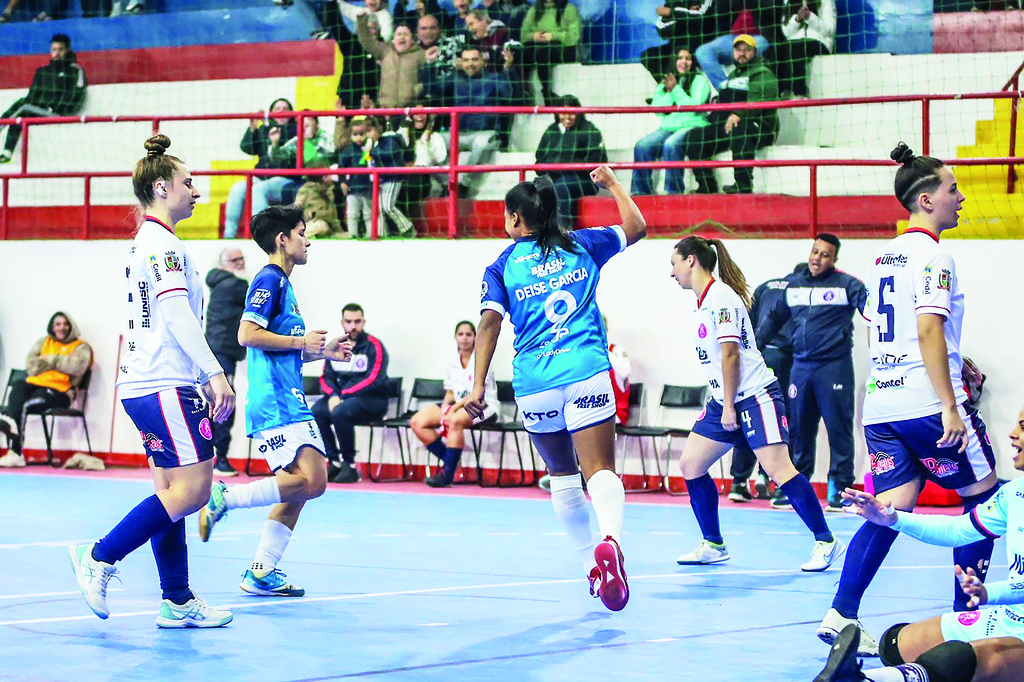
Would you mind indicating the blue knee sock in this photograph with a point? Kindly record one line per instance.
(801, 495)
(171, 554)
(704, 500)
(438, 449)
(865, 554)
(148, 519)
(451, 459)
(975, 555)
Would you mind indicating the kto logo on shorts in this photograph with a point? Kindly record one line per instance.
(539, 416)
(205, 429)
(590, 401)
(151, 442)
(881, 462)
(968, 618)
(941, 466)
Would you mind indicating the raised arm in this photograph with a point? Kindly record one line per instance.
(633, 224)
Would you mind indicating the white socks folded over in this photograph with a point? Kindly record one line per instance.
(609, 499)
(262, 493)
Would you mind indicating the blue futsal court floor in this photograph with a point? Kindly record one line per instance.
(416, 585)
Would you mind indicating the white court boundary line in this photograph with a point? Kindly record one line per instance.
(437, 590)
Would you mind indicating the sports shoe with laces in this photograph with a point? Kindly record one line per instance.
(8, 426)
(705, 553)
(223, 468)
(12, 460)
(833, 623)
(195, 613)
(92, 576)
(780, 501)
(824, 555)
(740, 493)
(272, 584)
(614, 588)
(835, 505)
(842, 665)
(761, 487)
(213, 511)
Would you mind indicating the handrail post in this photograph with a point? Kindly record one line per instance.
(300, 142)
(247, 207)
(813, 185)
(926, 125)
(24, 148)
(5, 221)
(453, 177)
(87, 209)
(1011, 171)
(156, 126)
(522, 175)
(375, 208)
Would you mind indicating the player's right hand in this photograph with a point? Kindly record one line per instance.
(972, 586)
(868, 506)
(223, 398)
(603, 177)
(314, 342)
(954, 432)
(475, 404)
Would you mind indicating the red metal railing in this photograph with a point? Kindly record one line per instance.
(454, 168)
(1014, 83)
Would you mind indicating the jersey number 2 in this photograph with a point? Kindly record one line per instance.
(886, 309)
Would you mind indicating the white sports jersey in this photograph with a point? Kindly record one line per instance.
(459, 380)
(720, 318)
(158, 268)
(910, 277)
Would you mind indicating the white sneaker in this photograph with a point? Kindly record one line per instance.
(93, 577)
(12, 460)
(8, 425)
(833, 623)
(5, 156)
(824, 555)
(705, 553)
(195, 613)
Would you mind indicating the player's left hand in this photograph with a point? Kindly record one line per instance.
(972, 586)
(475, 404)
(339, 348)
(729, 422)
(867, 505)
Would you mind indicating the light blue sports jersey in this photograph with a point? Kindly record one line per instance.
(275, 395)
(560, 338)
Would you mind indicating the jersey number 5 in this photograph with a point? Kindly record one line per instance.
(557, 308)
(887, 310)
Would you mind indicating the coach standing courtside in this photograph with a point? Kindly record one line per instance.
(821, 302)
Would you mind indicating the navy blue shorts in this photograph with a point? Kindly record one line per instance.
(174, 425)
(904, 451)
(762, 420)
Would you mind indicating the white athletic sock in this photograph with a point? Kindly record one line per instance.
(262, 493)
(908, 672)
(609, 499)
(572, 510)
(272, 545)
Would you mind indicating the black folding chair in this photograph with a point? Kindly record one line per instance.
(512, 427)
(13, 377)
(48, 415)
(423, 391)
(393, 422)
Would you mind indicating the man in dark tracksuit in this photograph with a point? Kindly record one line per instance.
(821, 303)
(58, 89)
(778, 355)
(355, 392)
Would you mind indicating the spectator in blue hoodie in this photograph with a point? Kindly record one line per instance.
(391, 151)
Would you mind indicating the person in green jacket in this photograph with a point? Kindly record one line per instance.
(571, 139)
(686, 85)
(743, 131)
(550, 35)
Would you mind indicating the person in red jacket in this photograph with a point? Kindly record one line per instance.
(355, 392)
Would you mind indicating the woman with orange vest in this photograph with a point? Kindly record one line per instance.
(56, 365)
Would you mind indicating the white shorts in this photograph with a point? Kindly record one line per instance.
(970, 626)
(573, 407)
(281, 444)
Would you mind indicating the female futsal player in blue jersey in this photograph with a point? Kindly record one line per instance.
(167, 355)
(546, 282)
(746, 405)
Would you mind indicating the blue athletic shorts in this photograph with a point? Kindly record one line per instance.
(762, 420)
(904, 451)
(174, 425)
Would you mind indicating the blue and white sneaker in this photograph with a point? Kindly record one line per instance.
(92, 576)
(214, 511)
(195, 613)
(272, 584)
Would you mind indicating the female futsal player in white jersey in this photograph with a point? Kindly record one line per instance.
(167, 355)
(917, 421)
(746, 405)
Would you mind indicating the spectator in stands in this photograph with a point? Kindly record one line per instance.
(56, 365)
(256, 141)
(571, 139)
(317, 152)
(58, 89)
(685, 85)
(550, 34)
(675, 24)
(428, 32)
(319, 208)
(457, 23)
(717, 18)
(442, 428)
(410, 13)
(360, 79)
(473, 87)
(742, 132)
(392, 151)
(358, 189)
(228, 288)
(810, 30)
(430, 150)
(34, 10)
(488, 36)
(355, 392)
(512, 13)
(399, 63)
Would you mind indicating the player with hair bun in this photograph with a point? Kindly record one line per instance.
(918, 422)
(167, 355)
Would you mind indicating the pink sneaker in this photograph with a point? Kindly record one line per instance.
(613, 590)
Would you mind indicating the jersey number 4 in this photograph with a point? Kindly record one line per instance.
(887, 310)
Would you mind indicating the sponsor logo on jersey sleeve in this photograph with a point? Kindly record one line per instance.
(172, 262)
(259, 297)
(945, 280)
(724, 315)
(155, 265)
(483, 290)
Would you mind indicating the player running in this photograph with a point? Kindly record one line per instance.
(276, 415)
(547, 281)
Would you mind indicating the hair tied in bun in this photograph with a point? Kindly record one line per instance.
(157, 145)
(902, 154)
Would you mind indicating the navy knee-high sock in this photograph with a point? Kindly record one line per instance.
(142, 523)
(865, 554)
(438, 449)
(801, 495)
(975, 555)
(171, 554)
(451, 459)
(704, 500)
